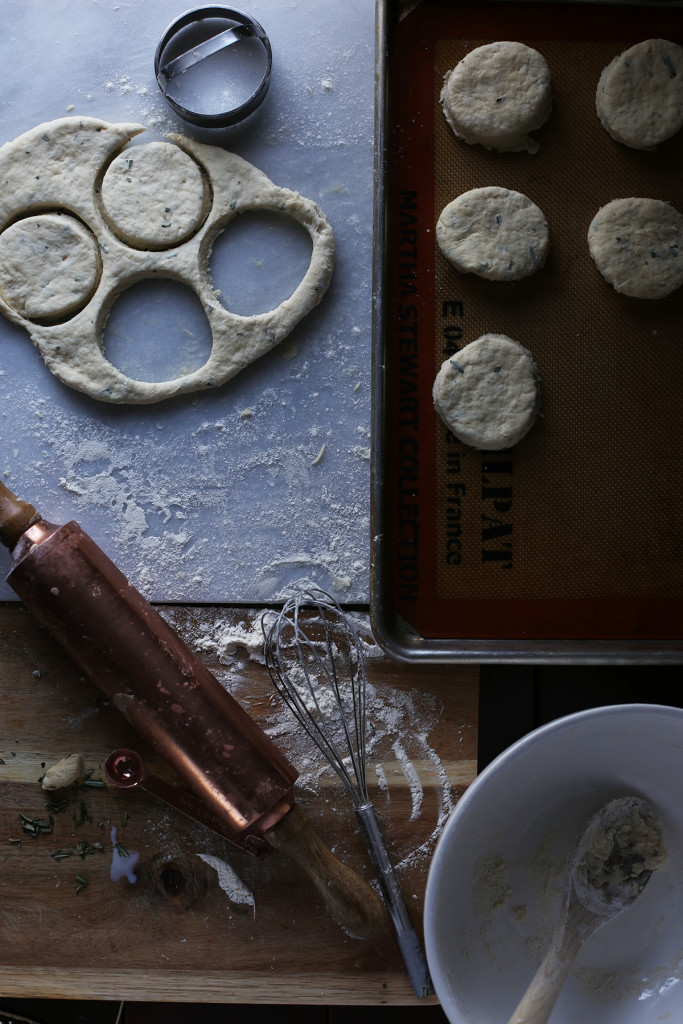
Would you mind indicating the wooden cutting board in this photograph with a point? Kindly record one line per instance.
(176, 935)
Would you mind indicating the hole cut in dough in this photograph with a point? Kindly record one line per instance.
(497, 94)
(178, 339)
(142, 212)
(487, 394)
(636, 245)
(639, 98)
(274, 249)
(494, 233)
(49, 266)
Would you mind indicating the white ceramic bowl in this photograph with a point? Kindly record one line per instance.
(495, 883)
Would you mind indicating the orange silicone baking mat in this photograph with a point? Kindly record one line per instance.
(575, 532)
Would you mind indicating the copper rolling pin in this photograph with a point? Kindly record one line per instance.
(240, 783)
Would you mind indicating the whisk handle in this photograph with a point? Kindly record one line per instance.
(409, 943)
(351, 901)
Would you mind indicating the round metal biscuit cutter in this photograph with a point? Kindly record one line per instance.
(239, 26)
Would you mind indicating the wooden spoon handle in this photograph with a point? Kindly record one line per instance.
(352, 902)
(544, 989)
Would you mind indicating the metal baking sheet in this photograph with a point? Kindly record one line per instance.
(568, 547)
(226, 496)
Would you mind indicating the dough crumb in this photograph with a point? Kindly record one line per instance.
(319, 456)
(66, 772)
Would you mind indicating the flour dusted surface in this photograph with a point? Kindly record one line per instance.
(232, 483)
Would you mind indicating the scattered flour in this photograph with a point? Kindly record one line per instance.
(400, 722)
(230, 882)
(160, 503)
(146, 104)
(492, 889)
(411, 777)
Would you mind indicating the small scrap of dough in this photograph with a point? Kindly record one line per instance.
(636, 246)
(64, 773)
(494, 233)
(154, 195)
(497, 94)
(49, 266)
(639, 98)
(487, 394)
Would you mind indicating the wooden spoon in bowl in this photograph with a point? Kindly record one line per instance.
(611, 865)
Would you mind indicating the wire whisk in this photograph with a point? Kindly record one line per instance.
(314, 656)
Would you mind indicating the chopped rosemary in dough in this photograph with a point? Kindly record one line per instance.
(494, 233)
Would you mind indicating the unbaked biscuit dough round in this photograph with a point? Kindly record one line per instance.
(636, 245)
(49, 266)
(494, 233)
(143, 213)
(497, 94)
(639, 98)
(487, 394)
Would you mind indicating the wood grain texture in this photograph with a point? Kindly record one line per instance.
(176, 935)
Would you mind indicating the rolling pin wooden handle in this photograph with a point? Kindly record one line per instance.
(352, 902)
(15, 517)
